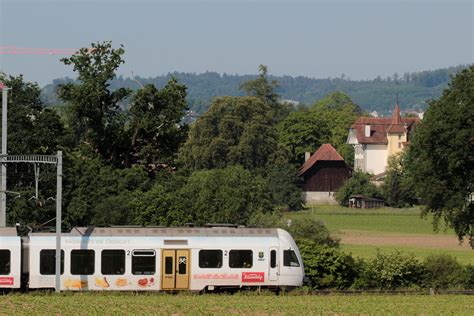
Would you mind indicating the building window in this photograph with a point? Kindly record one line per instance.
(290, 259)
(5, 261)
(113, 262)
(82, 262)
(399, 145)
(48, 261)
(210, 259)
(143, 262)
(240, 258)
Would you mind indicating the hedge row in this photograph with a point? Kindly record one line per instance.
(329, 268)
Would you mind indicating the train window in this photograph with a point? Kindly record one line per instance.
(240, 258)
(290, 259)
(273, 258)
(48, 261)
(113, 262)
(5, 261)
(169, 265)
(210, 259)
(182, 265)
(143, 262)
(82, 262)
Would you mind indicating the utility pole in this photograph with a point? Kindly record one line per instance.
(3, 184)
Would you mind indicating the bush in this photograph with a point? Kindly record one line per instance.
(469, 281)
(326, 267)
(390, 272)
(310, 228)
(443, 271)
(359, 183)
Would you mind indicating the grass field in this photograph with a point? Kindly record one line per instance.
(244, 304)
(363, 232)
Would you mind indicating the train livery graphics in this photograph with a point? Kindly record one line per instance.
(152, 259)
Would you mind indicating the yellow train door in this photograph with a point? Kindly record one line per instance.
(175, 269)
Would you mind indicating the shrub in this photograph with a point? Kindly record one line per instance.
(469, 281)
(311, 229)
(326, 267)
(443, 271)
(389, 272)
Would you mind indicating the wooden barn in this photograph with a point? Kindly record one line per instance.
(323, 173)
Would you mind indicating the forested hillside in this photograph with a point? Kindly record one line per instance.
(378, 94)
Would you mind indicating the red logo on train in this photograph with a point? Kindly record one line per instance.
(6, 281)
(253, 277)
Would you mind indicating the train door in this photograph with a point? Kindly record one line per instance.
(175, 269)
(273, 267)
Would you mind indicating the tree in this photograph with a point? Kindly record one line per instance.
(95, 111)
(32, 129)
(398, 189)
(302, 131)
(155, 123)
(441, 155)
(229, 195)
(235, 130)
(339, 112)
(264, 89)
(358, 184)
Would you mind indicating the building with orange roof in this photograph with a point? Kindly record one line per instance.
(375, 139)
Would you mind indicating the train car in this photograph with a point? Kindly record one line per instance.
(10, 258)
(156, 258)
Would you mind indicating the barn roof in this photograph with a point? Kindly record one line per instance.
(324, 153)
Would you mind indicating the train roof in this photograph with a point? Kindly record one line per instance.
(167, 232)
(8, 231)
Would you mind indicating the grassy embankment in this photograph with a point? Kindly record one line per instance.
(239, 304)
(362, 232)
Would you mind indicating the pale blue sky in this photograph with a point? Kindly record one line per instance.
(361, 39)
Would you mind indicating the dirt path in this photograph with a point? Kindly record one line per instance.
(413, 240)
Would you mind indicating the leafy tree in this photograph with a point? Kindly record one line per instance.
(155, 117)
(440, 157)
(235, 130)
(398, 189)
(263, 88)
(95, 114)
(32, 129)
(358, 184)
(90, 185)
(229, 195)
(338, 112)
(302, 131)
(283, 183)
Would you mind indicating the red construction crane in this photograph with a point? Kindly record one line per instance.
(13, 50)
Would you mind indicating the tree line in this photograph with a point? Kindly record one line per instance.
(372, 95)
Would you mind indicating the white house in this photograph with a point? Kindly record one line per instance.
(376, 138)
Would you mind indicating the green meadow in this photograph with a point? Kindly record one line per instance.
(401, 229)
(238, 304)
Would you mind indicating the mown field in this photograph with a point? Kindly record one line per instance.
(238, 304)
(363, 232)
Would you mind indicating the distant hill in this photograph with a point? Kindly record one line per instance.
(371, 95)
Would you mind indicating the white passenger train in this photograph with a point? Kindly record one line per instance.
(152, 259)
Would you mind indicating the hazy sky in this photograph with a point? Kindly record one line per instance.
(361, 39)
